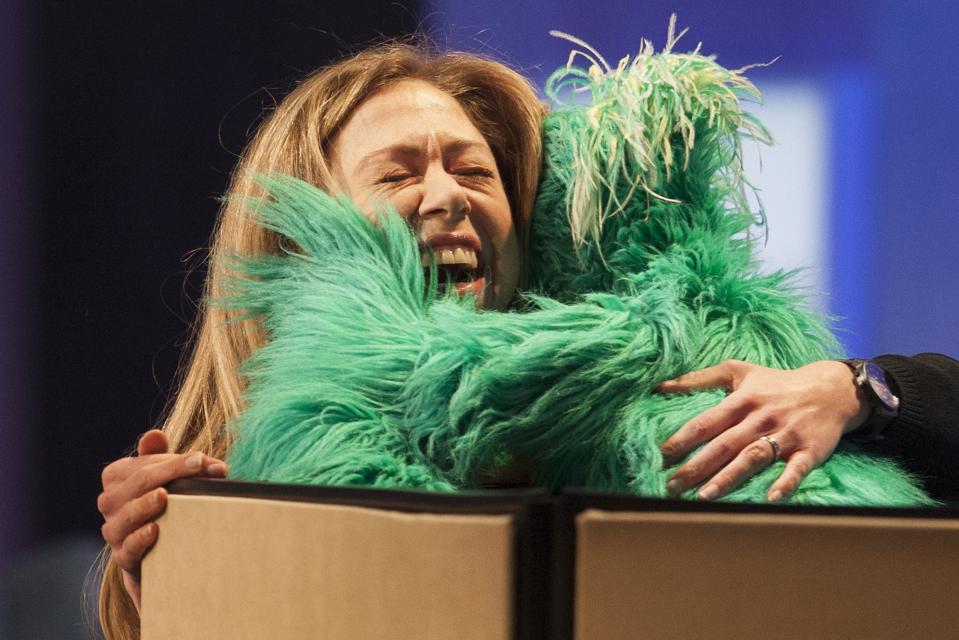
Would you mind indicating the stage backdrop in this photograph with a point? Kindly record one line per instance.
(862, 99)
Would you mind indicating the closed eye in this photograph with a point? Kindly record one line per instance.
(394, 177)
(475, 172)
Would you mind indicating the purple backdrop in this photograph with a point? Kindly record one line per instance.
(15, 260)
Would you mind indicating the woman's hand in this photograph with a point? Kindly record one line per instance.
(133, 498)
(804, 410)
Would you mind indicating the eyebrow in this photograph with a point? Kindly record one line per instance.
(408, 150)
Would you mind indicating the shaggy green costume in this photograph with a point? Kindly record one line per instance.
(641, 268)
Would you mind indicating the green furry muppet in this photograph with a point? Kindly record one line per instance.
(641, 268)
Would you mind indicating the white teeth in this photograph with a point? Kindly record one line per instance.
(457, 255)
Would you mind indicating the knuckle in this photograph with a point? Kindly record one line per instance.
(124, 559)
(108, 475)
(132, 550)
(725, 448)
(766, 420)
(690, 471)
(104, 503)
(668, 450)
(747, 398)
(757, 453)
(144, 480)
(131, 517)
(700, 431)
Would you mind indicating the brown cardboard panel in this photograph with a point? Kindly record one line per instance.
(767, 576)
(262, 569)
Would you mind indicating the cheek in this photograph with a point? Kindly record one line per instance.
(404, 201)
(512, 260)
(506, 230)
(507, 241)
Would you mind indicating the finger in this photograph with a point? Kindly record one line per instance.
(152, 476)
(797, 468)
(135, 546)
(119, 470)
(717, 453)
(216, 469)
(755, 457)
(153, 441)
(704, 427)
(116, 475)
(715, 377)
(132, 516)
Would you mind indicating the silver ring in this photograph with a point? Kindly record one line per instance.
(775, 445)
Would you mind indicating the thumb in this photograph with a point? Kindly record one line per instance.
(716, 377)
(153, 441)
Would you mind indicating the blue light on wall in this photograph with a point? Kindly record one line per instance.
(887, 71)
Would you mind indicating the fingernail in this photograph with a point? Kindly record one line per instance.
(194, 460)
(155, 497)
(775, 495)
(708, 492)
(674, 487)
(217, 469)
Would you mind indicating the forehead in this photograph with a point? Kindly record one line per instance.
(408, 112)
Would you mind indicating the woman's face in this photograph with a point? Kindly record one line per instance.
(412, 145)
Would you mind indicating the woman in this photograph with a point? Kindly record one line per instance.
(449, 140)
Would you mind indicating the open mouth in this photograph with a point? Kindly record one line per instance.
(457, 266)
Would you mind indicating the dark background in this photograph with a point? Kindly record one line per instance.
(143, 110)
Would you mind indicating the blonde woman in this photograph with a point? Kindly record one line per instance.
(451, 140)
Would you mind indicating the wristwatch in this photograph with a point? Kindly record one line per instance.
(871, 378)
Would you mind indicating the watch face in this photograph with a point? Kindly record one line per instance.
(877, 380)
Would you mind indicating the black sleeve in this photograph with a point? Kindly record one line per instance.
(925, 436)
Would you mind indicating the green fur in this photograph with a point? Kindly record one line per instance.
(371, 379)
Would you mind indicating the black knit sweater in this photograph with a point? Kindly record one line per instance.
(925, 436)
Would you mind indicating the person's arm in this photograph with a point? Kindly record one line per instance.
(925, 435)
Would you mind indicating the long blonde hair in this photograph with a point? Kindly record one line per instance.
(296, 140)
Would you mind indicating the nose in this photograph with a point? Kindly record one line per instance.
(442, 195)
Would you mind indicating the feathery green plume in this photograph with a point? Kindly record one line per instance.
(624, 144)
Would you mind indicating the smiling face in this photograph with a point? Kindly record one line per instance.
(412, 145)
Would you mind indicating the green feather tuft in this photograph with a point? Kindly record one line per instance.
(626, 142)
